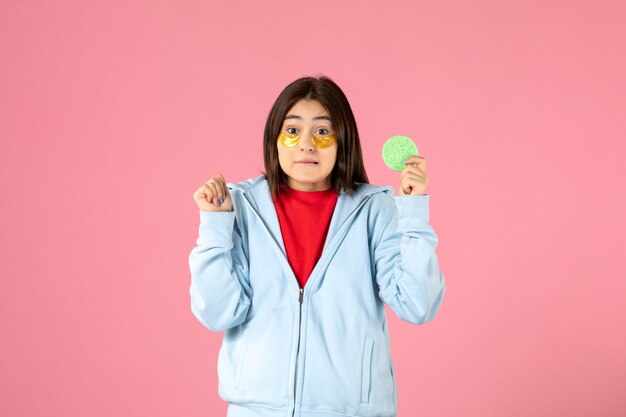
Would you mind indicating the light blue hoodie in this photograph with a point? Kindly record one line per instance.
(323, 351)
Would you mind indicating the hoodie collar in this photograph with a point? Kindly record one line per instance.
(256, 191)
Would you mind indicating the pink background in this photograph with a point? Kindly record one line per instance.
(113, 113)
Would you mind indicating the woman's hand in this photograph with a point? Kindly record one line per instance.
(213, 195)
(413, 178)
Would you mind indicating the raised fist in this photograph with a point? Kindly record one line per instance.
(213, 195)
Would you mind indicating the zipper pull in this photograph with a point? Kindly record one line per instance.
(301, 295)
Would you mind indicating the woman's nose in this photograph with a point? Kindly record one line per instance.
(306, 142)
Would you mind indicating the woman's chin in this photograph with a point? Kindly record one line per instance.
(309, 183)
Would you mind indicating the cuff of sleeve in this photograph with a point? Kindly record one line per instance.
(413, 210)
(216, 226)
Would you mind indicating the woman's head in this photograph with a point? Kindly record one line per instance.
(312, 120)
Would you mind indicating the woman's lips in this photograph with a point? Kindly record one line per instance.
(307, 162)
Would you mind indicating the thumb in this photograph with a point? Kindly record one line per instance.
(224, 185)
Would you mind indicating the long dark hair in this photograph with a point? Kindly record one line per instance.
(349, 168)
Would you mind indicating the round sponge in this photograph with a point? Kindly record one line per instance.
(396, 150)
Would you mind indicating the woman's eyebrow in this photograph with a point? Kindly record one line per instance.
(295, 116)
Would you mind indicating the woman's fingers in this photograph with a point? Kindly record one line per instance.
(213, 195)
(223, 189)
(413, 178)
(418, 162)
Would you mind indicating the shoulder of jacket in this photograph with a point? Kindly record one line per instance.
(381, 200)
(378, 193)
(247, 185)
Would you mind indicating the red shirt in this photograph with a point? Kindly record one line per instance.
(304, 217)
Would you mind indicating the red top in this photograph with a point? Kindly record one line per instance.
(304, 217)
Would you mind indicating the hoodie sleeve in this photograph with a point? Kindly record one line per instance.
(220, 290)
(407, 270)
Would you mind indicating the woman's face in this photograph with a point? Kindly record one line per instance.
(308, 160)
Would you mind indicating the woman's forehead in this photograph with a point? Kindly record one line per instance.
(312, 109)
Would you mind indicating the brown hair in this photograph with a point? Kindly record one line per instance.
(349, 168)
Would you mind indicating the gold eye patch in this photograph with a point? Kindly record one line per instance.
(320, 142)
(288, 140)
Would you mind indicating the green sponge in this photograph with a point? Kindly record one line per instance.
(398, 149)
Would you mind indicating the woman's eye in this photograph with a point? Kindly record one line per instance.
(291, 130)
(323, 131)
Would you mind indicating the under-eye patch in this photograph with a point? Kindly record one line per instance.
(288, 140)
(320, 142)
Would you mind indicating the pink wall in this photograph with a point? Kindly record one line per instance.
(113, 113)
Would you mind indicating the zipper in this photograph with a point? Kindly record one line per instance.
(301, 295)
(295, 386)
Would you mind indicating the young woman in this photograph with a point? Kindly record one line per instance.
(296, 266)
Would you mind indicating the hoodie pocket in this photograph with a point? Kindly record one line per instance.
(239, 363)
(366, 374)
